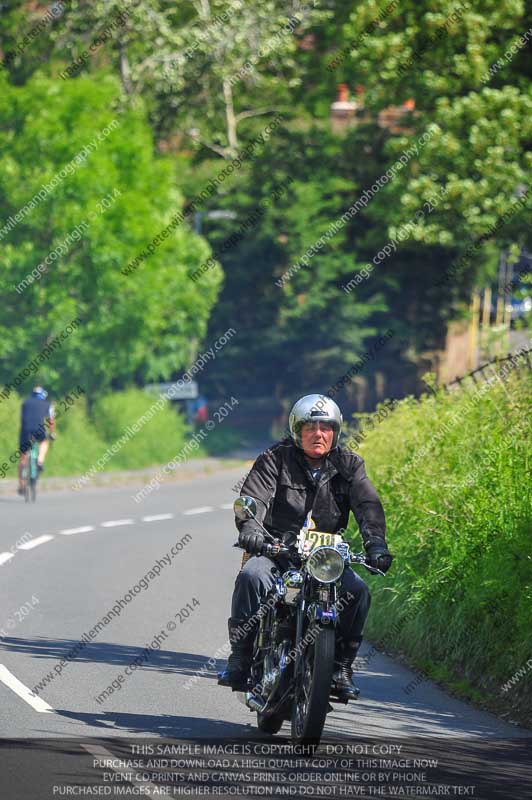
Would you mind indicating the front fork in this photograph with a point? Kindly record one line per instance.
(321, 611)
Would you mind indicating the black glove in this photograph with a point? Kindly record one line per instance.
(378, 554)
(252, 542)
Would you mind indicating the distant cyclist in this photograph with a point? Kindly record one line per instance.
(37, 415)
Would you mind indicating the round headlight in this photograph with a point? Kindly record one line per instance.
(325, 564)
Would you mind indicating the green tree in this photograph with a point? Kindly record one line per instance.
(440, 55)
(108, 197)
(204, 67)
(299, 327)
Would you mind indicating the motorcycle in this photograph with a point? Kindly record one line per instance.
(294, 647)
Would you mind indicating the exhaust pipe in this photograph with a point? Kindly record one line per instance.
(254, 703)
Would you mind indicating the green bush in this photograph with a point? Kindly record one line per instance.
(9, 433)
(454, 475)
(158, 440)
(82, 440)
(222, 439)
(78, 444)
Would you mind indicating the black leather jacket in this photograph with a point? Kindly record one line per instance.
(282, 484)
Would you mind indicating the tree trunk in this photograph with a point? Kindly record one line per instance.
(125, 70)
(232, 139)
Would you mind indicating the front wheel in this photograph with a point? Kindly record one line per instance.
(312, 689)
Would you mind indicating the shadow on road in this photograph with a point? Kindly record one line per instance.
(386, 709)
(165, 725)
(110, 653)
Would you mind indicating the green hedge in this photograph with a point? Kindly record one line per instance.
(454, 474)
(81, 440)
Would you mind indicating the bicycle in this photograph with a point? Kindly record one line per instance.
(30, 473)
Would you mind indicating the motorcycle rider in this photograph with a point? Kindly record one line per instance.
(307, 471)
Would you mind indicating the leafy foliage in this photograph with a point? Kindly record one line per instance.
(453, 472)
(212, 63)
(297, 313)
(210, 74)
(146, 324)
(439, 55)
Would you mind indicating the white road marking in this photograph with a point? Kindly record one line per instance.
(157, 517)
(18, 687)
(5, 557)
(35, 542)
(227, 505)
(72, 531)
(101, 753)
(114, 523)
(200, 510)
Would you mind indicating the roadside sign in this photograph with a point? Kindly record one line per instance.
(185, 391)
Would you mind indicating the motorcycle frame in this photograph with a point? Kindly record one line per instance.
(322, 611)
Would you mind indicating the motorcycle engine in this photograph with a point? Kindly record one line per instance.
(292, 581)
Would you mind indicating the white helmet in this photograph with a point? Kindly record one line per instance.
(313, 408)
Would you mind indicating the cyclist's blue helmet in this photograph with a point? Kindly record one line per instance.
(39, 392)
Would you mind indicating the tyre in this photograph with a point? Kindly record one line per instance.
(271, 724)
(26, 481)
(313, 685)
(33, 472)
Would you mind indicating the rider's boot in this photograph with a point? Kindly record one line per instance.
(343, 685)
(237, 672)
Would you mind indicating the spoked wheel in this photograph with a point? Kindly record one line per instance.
(313, 685)
(33, 490)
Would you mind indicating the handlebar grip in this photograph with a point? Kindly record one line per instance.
(274, 549)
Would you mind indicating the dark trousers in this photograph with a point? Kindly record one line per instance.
(255, 580)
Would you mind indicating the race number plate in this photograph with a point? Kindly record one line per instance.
(309, 540)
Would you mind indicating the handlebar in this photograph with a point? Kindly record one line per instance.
(355, 558)
(275, 548)
(271, 549)
(360, 558)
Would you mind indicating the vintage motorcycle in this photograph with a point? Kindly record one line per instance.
(293, 654)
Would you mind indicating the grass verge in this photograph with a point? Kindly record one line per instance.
(454, 474)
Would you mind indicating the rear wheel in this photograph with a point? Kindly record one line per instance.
(312, 689)
(33, 472)
(26, 482)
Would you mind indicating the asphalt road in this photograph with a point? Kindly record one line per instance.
(71, 557)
